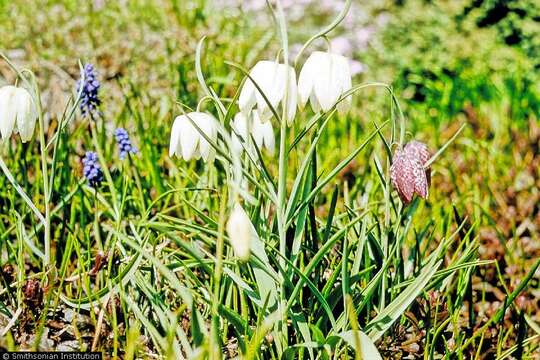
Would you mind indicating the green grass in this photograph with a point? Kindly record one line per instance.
(339, 266)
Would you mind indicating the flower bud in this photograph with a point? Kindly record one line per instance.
(240, 231)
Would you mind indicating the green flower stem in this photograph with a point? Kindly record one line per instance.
(46, 192)
(21, 192)
(282, 169)
(105, 169)
(215, 348)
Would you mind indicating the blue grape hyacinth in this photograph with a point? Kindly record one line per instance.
(90, 89)
(92, 170)
(124, 143)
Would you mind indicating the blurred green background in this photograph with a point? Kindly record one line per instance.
(441, 56)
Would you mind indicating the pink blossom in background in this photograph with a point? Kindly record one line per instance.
(357, 67)
(362, 36)
(342, 46)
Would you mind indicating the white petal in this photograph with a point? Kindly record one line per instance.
(240, 125)
(270, 76)
(236, 143)
(246, 100)
(189, 138)
(207, 124)
(257, 127)
(305, 80)
(174, 145)
(8, 110)
(344, 74)
(327, 86)
(239, 133)
(26, 114)
(292, 96)
(267, 134)
(314, 103)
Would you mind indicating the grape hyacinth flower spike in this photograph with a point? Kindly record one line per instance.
(408, 173)
(92, 170)
(89, 88)
(124, 143)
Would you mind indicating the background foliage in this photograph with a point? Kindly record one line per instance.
(456, 62)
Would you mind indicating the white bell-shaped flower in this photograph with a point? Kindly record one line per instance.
(261, 132)
(271, 77)
(17, 112)
(240, 231)
(324, 78)
(188, 142)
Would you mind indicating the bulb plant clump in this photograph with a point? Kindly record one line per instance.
(243, 238)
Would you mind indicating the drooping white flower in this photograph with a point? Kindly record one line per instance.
(240, 231)
(186, 139)
(262, 132)
(324, 78)
(271, 77)
(17, 112)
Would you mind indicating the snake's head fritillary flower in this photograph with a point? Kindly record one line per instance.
(124, 143)
(17, 112)
(262, 132)
(271, 77)
(188, 142)
(421, 152)
(240, 230)
(324, 78)
(408, 173)
(92, 170)
(33, 294)
(89, 88)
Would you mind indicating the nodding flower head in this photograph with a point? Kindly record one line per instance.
(188, 142)
(278, 84)
(18, 112)
(124, 143)
(262, 132)
(92, 170)
(89, 87)
(408, 173)
(324, 79)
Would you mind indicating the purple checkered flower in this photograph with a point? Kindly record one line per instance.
(408, 174)
(92, 170)
(90, 88)
(124, 143)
